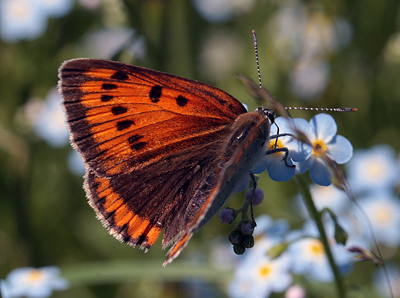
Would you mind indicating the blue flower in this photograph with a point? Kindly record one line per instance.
(308, 254)
(269, 228)
(75, 163)
(298, 151)
(382, 211)
(258, 275)
(31, 282)
(56, 8)
(325, 141)
(309, 78)
(216, 11)
(329, 197)
(27, 19)
(380, 282)
(50, 123)
(21, 19)
(374, 170)
(105, 43)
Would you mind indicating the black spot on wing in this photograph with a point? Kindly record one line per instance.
(120, 76)
(181, 101)
(108, 86)
(121, 125)
(134, 139)
(135, 145)
(155, 93)
(106, 97)
(138, 146)
(118, 110)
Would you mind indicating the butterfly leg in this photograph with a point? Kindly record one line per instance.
(282, 135)
(284, 149)
(255, 183)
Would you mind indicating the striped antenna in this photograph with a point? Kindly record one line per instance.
(323, 109)
(293, 108)
(256, 51)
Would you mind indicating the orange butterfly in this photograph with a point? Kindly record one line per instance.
(161, 151)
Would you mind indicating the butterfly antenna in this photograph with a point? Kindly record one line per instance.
(291, 108)
(256, 51)
(323, 109)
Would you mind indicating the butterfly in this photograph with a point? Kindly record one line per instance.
(161, 152)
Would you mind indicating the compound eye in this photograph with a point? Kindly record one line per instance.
(270, 114)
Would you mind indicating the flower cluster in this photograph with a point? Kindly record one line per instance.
(286, 156)
(322, 141)
(278, 255)
(306, 38)
(373, 175)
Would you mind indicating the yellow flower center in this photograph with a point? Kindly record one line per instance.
(35, 275)
(319, 148)
(316, 248)
(383, 215)
(19, 10)
(273, 144)
(265, 270)
(375, 170)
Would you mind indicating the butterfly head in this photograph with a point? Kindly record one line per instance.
(268, 113)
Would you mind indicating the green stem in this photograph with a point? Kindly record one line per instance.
(324, 239)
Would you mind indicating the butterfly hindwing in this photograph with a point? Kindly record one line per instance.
(136, 206)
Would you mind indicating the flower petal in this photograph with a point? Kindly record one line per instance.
(302, 167)
(324, 127)
(277, 169)
(320, 174)
(340, 149)
(298, 151)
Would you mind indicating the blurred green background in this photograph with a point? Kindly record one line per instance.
(312, 53)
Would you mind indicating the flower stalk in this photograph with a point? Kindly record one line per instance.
(314, 213)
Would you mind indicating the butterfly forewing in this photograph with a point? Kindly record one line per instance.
(124, 116)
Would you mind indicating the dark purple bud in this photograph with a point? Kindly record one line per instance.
(227, 215)
(247, 227)
(258, 197)
(239, 249)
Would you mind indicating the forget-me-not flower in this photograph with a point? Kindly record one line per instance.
(325, 141)
(32, 282)
(374, 170)
(309, 257)
(278, 170)
(383, 212)
(216, 11)
(21, 19)
(380, 282)
(56, 8)
(49, 124)
(258, 275)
